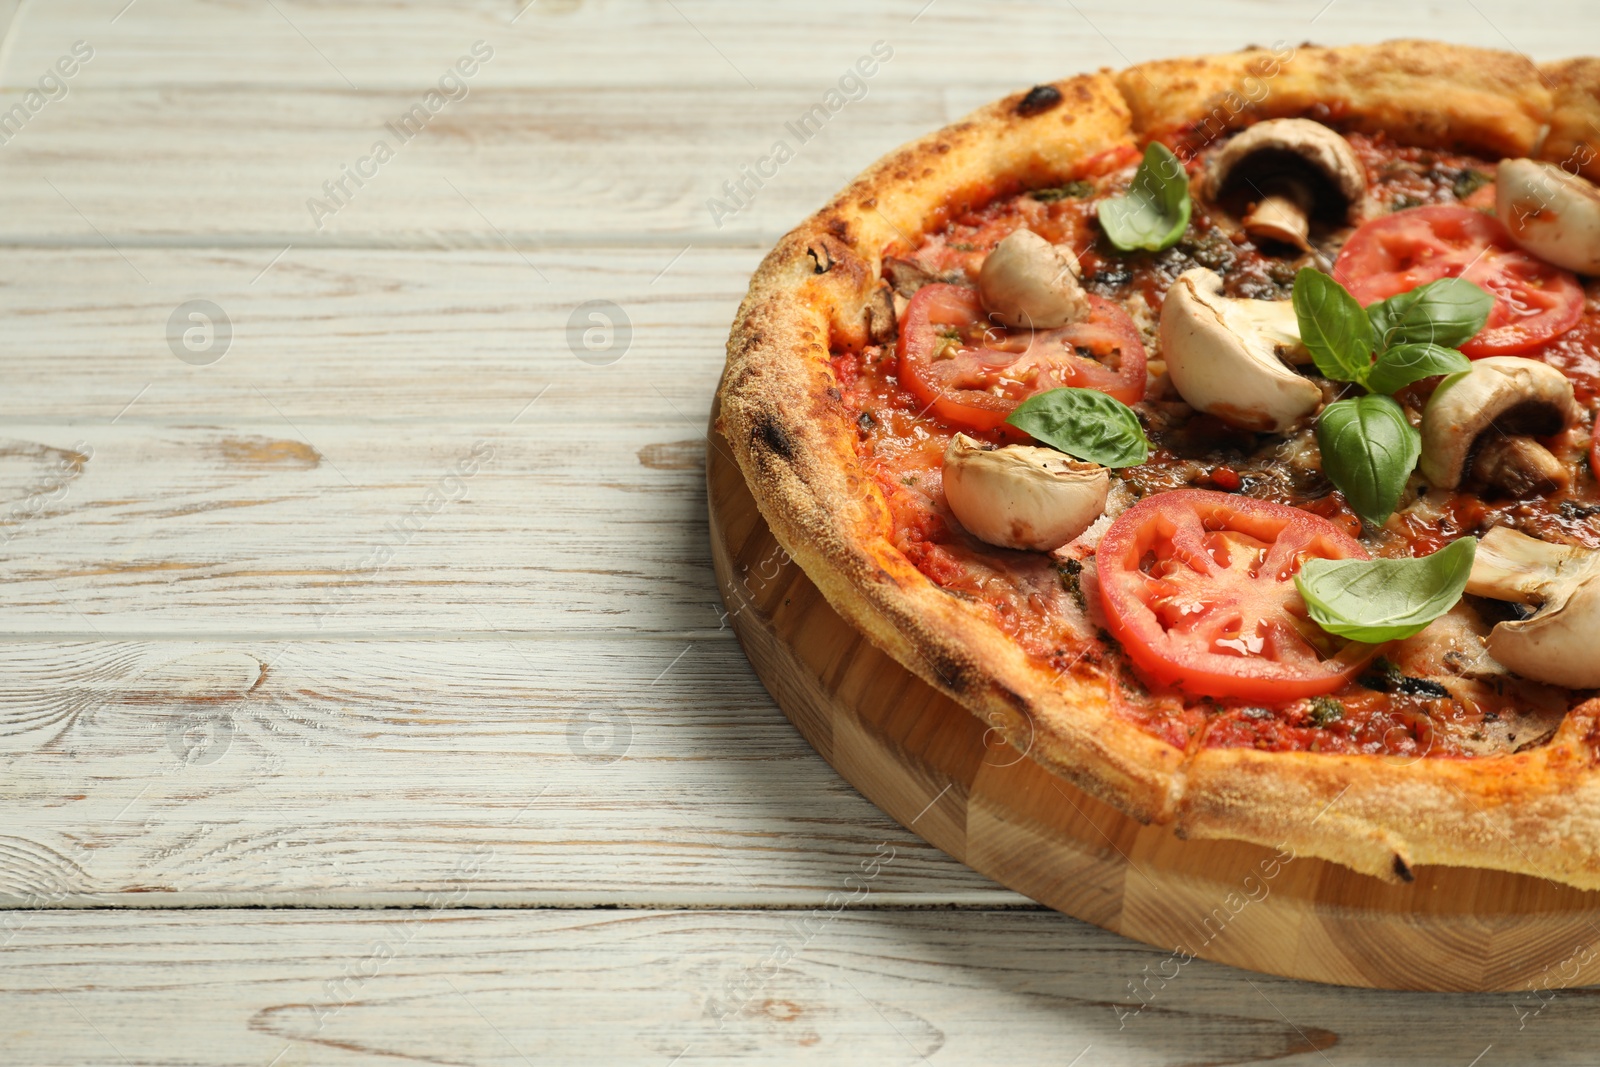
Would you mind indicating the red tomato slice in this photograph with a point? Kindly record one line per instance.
(1534, 301)
(1198, 586)
(972, 373)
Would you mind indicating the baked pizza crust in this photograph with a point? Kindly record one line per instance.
(783, 417)
(1419, 92)
(1574, 139)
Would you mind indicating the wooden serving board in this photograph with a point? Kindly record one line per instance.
(939, 771)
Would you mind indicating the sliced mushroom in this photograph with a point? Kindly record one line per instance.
(1022, 496)
(1553, 214)
(1506, 401)
(1283, 216)
(1560, 642)
(1029, 283)
(1226, 357)
(1518, 466)
(1289, 169)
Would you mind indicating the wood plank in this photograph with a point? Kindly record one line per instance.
(248, 771)
(542, 168)
(360, 337)
(722, 46)
(330, 530)
(661, 123)
(560, 987)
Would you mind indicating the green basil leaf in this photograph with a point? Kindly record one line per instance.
(1155, 210)
(1448, 313)
(1085, 424)
(1333, 327)
(1369, 449)
(1403, 364)
(1075, 190)
(1379, 600)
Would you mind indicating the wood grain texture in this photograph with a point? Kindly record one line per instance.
(367, 338)
(560, 987)
(540, 168)
(324, 773)
(712, 44)
(934, 766)
(297, 529)
(523, 157)
(146, 756)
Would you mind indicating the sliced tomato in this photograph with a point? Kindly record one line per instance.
(1533, 300)
(971, 373)
(1199, 588)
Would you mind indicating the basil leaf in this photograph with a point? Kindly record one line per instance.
(1385, 599)
(1333, 327)
(1448, 312)
(1368, 450)
(1155, 210)
(1403, 364)
(1075, 190)
(1085, 424)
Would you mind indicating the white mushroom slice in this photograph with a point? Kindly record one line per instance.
(1560, 642)
(1225, 356)
(1022, 496)
(1290, 168)
(1029, 283)
(1515, 398)
(1553, 214)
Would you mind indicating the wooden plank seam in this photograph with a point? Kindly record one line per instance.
(449, 488)
(740, 988)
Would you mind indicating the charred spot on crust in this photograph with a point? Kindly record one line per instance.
(952, 672)
(820, 257)
(1402, 870)
(1018, 701)
(775, 437)
(1038, 100)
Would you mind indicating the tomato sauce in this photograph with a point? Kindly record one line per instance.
(1577, 352)
(1040, 600)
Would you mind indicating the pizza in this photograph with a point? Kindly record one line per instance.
(1222, 431)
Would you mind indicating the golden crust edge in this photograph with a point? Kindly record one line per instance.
(1496, 102)
(1574, 136)
(1534, 813)
(791, 443)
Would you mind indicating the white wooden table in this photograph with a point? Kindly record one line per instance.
(366, 696)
